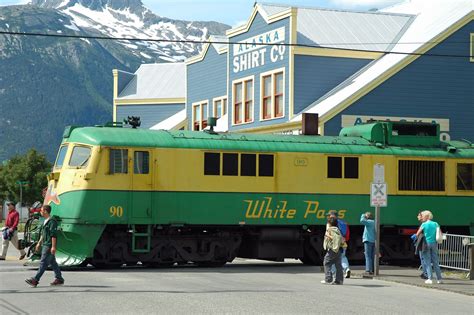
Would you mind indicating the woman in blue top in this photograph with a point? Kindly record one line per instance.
(368, 238)
(430, 252)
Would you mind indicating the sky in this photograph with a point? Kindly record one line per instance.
(235, 12)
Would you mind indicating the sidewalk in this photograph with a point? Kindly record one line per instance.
(453, 281)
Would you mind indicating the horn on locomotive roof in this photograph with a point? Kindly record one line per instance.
(211, 122)
(133, 121)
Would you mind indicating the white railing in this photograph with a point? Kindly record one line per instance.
(454, 252)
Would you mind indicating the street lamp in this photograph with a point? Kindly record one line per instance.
(22, 183)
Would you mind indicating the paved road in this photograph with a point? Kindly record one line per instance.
(241, 287)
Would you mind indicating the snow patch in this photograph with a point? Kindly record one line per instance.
(72, 27)
(145, 55)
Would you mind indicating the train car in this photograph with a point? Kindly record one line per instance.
(124, 195)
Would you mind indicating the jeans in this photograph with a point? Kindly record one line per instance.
(430, 256)
(369, 251)
(331, 259)
(344, 262)
(48, 259)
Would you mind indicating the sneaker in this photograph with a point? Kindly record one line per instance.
(439, 282)
(337, 283)
(22, 256)
(32, 282)
(429, 281)
(348, 274)
(423, 276)
(2, 258)
(57, 282)
(324, 282)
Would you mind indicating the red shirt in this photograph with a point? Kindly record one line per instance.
(12, 219)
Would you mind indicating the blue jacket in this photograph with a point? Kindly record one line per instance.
(369, 229)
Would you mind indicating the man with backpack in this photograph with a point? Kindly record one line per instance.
(333, 241)
(344, 229)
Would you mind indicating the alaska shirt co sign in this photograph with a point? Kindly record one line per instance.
(252, 52)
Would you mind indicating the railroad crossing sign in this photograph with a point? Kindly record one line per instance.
(378, 195)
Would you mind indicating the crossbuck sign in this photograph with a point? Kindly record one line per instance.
(378, 195)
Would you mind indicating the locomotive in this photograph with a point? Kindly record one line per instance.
(124, 196)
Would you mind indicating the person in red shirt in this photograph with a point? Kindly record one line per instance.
(9, 231)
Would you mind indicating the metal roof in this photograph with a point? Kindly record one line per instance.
(159, 80)
(432, 19)
(377, 31)
(124, 137)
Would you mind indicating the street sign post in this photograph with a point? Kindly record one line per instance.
(22, 183)
(378, 198)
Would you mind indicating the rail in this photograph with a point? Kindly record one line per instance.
(456, 252)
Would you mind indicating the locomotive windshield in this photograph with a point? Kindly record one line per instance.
(61, 156)
(80, 156)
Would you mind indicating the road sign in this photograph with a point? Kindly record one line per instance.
(378, 195)
(379, 173)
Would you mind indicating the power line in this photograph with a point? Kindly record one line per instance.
(187, 41)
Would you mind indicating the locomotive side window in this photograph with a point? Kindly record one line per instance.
(421, 175)
(230, 164)
(118, 161)
(248, 165)
(334, 167)
(61, 155)
(265, 165)
(465, 176)
(141, 162)
(80, 156)
(351, 167)
(212, 163)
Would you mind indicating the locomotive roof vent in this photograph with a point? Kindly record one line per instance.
(211, 122)
(396, 133)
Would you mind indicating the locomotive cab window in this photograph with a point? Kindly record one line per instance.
(118, 161)
(61, 156)
(80, 156)
(465, 176)
(336, 168)
(141, 162)
(212, 163)
(414, 175)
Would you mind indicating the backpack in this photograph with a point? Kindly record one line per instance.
(344, 228)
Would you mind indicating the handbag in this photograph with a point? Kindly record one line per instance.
(439, 235)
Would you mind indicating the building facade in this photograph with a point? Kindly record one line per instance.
(412, 61)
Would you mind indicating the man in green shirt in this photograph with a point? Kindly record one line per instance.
(47, 245)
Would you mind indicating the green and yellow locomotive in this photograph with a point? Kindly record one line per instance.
(124, 195)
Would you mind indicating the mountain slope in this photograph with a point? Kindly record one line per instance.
(47, 83)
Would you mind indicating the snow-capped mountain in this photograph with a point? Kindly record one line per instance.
(68, 81)
(130, 19)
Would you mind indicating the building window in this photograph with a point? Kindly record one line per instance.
(200, 115)
(465, 176)
(118, 161)
(141, 162)
(220, 107)
(212, 163)
(420, 175)
(272, 91)
(350, 170)
(243, 101)
(472, 48)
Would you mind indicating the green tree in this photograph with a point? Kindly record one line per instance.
(29, 169)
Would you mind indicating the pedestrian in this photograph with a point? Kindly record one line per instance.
(332, 244)
(47, 246)
(430, 252)
(10, 232)
(344, 229)
(368, 238)
(420, 244)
